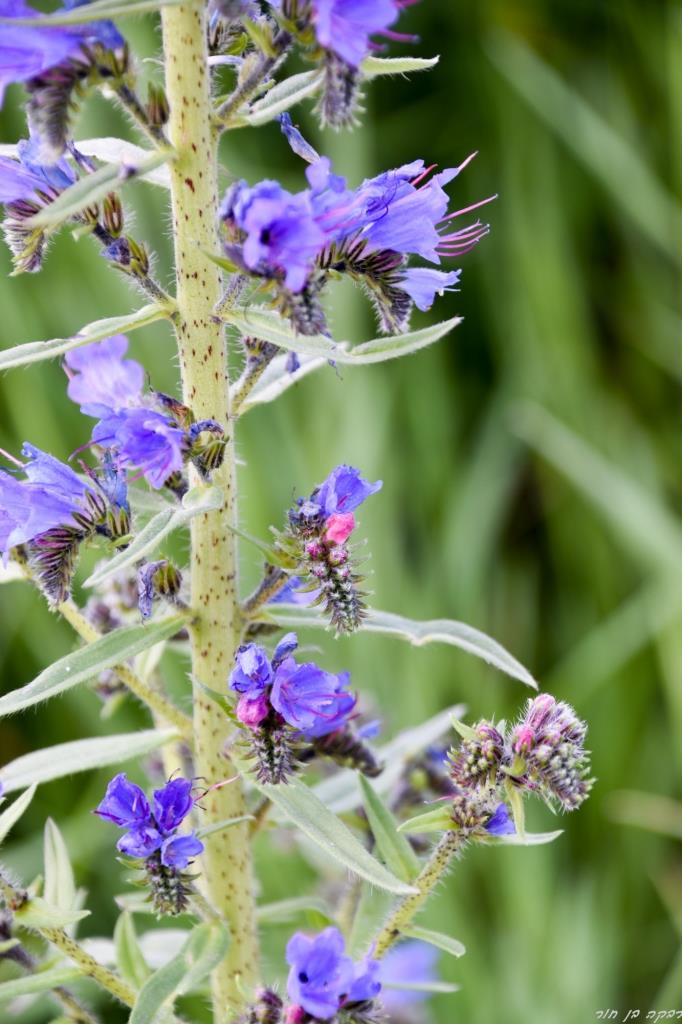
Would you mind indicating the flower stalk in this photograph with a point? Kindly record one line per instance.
(227, 873)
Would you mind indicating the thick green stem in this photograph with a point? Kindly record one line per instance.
(227, 872)
(435, 868)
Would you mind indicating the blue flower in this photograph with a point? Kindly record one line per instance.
(27, 176)
(28, 51)
(423, 284)
(291, 594)
(410, 963)
(101, 381)
(345, 26)
(150, 832)
(320, 973)
(501, 823)
(343, 491)
(50, 496)
(252, 673)
(146, 439)
(311, 700)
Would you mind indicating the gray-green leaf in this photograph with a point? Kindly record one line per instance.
(36, 351)
(196, 502)
(281, 97)
(42, 981)
(11, 815)
(129, 958)
(60, 885)
(373, 67)
(38, 913)
(88, 661)
(437, 939)
(394, 848)
(300, 805)
(271, 327)
(93, 188)
(96, 11)
(446, 631)
(81, 755)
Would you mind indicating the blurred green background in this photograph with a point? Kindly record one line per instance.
(532, 480)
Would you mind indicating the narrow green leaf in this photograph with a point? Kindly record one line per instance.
(446, 631)
(60, 885)
(394, 848)
(11, 815)
(41, 981)
(205, 948)
(527, 839)
(438, 819)
(372, 910)
(88, 661)
(80, 755)
(277, 380)
(38, 913)
(93, 188)
(281, 97)
(271, 327)
(373, 67)
(285, 910)
(300, 805)
(434, 988)
(111, 150)
(96, 11)
(437, 939)
(129, 958)
(196, 502)
(220, 826)
(36, 351)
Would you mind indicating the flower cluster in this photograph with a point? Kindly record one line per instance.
(152, 433)
(53, 510)
(298, 241)
(323, 980)
(543, 753)
(316, 543)
(152, 835)
(294, 710)
(57, 64)
(341, 32)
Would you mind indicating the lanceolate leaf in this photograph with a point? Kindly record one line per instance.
(394, 848)
(281, 97)
(196, 502)
(372, 67)
(445, 631)
(60, 885)
(205, 948)
(437, 939)
(94, 187)
(42, 981)
(11, 815)
(129, 959)
(300, 805)
(88, 661)
(38, 913)
(269, 326)
(527, 839)
(96, 11)
(277, 379)
(81, 755)
(35, 351)
(111, 150)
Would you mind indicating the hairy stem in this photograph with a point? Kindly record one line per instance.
(149, 695)
(435, 868)
(227, 871)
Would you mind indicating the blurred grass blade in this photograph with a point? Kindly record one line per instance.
(394, 848)
(60, 885)
(35, 351)
(437, 939)
(433, 988)
(271, 327)
(10, 816)
(445, 631)
(92, 188)
(646, 524)
(81, 755)
(283, 911)
(301, 806)
(649, 811)
(196, 502)
(613, 160)
(88, 661)
(41, 981)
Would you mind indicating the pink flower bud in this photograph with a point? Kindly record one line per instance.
(252, 712)
(524, 738)
(314, 549)
(294, 1015)
(340, 525)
